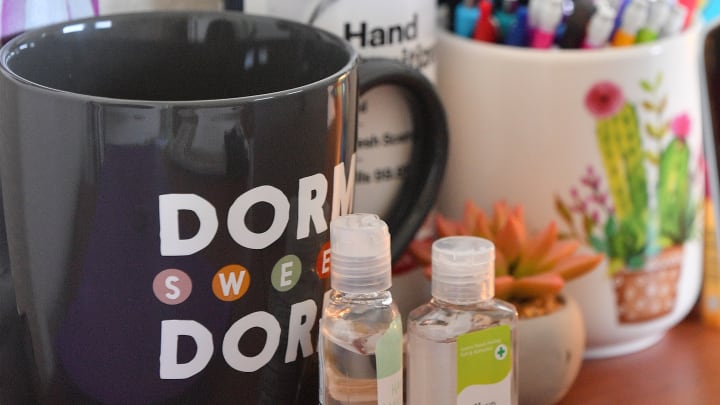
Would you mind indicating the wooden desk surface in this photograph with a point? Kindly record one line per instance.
(683, 368)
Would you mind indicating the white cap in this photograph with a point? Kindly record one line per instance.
(600, 26)
(675, 20)
(549, 14)
(635, 16)
(360, 259)
(658, 15)
(534, 7)
(463, 269)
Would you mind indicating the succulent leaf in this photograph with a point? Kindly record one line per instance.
(504, 286)
(446, 227)
(574, 266)
(470, 214)
(535, 249)
(558, 251)
(482, 226)
(500, 216)
(519, 214)
(537, 285)
(421, 249)
(510, 239)
(501, 265)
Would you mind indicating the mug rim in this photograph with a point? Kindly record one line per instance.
(528, 54)
(36, 34)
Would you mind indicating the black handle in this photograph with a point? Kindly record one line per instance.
(419, 190)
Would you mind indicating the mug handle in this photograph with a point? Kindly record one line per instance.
(428, 158)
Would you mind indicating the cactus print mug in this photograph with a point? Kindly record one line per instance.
(608, 144)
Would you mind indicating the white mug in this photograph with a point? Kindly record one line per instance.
(613, 136)
(401, 29)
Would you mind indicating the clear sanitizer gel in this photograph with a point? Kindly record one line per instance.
(361, 331)
(461, 345)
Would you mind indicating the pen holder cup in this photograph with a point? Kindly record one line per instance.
(608, 144)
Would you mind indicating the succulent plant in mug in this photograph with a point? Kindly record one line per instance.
(530, 270)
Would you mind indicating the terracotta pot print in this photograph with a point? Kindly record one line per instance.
(649, 293)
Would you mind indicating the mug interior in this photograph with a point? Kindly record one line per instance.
(175, 56)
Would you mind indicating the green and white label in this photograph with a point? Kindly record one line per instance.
(389, 360)
(484, 367)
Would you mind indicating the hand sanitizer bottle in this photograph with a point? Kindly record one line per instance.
(461, 345)
(361, 332)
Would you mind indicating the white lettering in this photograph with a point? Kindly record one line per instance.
(311, 208)
(285, 272)
(169, 206)
(312, 193)
(234, 282)
(169, 333)
(302, 319)
(300, 324)
(232, 353)
(236, 217)
(170, 285)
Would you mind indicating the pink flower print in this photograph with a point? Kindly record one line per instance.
(604, 99)
(590, 181)
(681, 126)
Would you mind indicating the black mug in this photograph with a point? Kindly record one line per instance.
(168, 180)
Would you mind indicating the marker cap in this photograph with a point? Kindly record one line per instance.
(549, 15)
(600, 27)
(519, 32)
(634, 17)
(675, 21)
(466, 16)
(658, 14)
(533, 12)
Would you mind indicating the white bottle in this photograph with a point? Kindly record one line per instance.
(461, 345)
(361, 330)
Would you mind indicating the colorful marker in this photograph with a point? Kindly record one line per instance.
(657, 17)
(550, 12)
(600, 27)
(631, 21)
(619, 6)
(691, 6)
(519, 34)
(505, 17)
(486, 28)
(533, 10)
(576, 24)
(568, 8)
(466, 16)
(674, 23)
